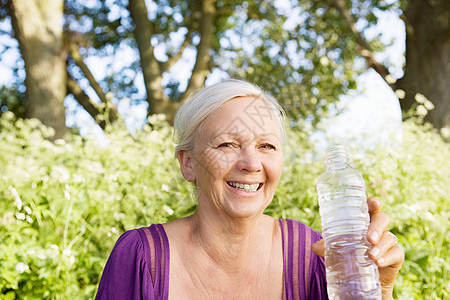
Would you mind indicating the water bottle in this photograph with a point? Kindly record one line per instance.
(351, 274)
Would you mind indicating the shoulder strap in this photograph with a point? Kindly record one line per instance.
(159, 259)
(297, 259)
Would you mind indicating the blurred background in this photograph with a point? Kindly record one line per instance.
(89, 89)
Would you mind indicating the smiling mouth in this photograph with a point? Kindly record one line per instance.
(245, 187)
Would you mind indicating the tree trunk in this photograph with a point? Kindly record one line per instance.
(158, 102)
(427, 69)
(202, 62)
(39, 30)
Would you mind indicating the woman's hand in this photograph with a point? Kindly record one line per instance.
(385, 251)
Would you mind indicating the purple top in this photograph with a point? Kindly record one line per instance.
(138, 267)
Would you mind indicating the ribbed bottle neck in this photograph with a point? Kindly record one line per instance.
(337, 157)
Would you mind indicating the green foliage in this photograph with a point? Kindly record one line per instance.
(306, 46)
(64, 204)
(11, 99)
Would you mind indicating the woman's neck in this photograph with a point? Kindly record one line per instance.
(230, 244)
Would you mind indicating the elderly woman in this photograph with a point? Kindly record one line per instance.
(230, 145)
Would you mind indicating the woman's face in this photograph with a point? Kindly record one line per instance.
(238, 158)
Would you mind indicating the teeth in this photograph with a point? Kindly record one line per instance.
(245, 187)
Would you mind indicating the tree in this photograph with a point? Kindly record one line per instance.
(39, 32)
(304, 54)
(207, 26)
(153, 69)
(427, 67)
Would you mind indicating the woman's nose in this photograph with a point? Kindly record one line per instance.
(249, 160)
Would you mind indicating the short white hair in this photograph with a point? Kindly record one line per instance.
(194, 112)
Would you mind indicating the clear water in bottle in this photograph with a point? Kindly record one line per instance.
(351, 274)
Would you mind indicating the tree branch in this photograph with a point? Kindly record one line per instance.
(201, 67)
(365, 49)
(165, 66)
(84, 100)
(78, 58)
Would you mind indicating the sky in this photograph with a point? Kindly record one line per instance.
(371, 115)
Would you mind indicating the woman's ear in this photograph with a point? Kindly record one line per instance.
(186, 160)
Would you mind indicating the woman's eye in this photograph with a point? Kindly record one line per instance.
(226, 145)
(268, 146)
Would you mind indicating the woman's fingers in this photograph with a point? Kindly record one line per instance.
(378, 251)
(393, 258)
(379, 221)
(319, 247)
(374, 204)
(388, 267)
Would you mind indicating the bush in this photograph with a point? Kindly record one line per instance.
(64, 204)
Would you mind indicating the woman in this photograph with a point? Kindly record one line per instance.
(230, 145)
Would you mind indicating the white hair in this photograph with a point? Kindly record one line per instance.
(193, 113)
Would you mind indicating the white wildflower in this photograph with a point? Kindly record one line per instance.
(420, 98)
(414, 208)
(34, 122)
(400, 93)
(54, 247)
(61, 173)
(67, 252)
(8, 115)
(27, 209)
(96, 167)
(165, 187)
(29, 219)
(421, 110)
(41, 255)
(21, 267)
(429, 105)
(19, 202)
(445, 132)
(60, 142)
(390, 79)
(168, 209)
(78, 178)
(324, 61)
(67, 194)
(429, 216)
(20, 216)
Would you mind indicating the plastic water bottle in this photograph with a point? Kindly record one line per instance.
(351, 274)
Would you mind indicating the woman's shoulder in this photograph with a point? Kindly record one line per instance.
(128, 239)
(134, 243)
(132, 236)
(127, 270)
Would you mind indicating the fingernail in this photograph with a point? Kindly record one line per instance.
(380, 261)
(377, 201)
(374, 236)
(375, 251)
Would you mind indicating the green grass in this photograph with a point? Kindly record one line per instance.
(64, 204)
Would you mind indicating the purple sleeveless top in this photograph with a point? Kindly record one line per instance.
(138, 267)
